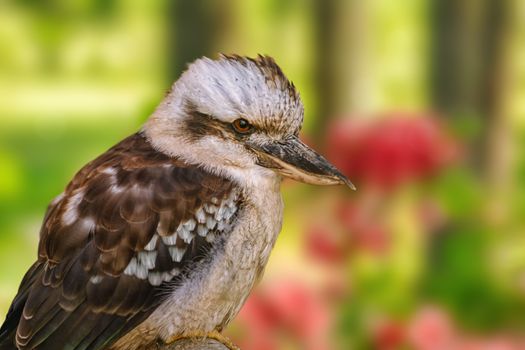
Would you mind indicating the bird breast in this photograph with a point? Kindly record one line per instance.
(216, 289)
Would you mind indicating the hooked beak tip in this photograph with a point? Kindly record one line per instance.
(343, 180)
(350, 184)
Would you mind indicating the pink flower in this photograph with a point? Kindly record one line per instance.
(389, 151)
(431, 329)
(285, 310)
(372, 238)
(365, 230)
(323, 245)
(256, 321)
(389, 335)
(498, 343)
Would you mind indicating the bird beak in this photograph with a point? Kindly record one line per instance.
(293, 159)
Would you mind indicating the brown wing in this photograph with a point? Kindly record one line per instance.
(129, 224)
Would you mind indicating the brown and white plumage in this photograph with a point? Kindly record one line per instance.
(130, 197)
(166, 233)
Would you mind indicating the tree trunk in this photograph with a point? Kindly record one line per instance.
(194, 30)
(342, 60)
(468, 51)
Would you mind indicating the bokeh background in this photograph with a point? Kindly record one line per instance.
(420, 102)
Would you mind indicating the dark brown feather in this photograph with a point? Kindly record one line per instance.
(77, 294)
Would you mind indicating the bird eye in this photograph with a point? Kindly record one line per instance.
(242, 126)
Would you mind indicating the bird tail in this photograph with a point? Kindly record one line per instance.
(7, 339)
(8, 329)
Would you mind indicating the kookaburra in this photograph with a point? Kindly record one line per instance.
(164, 235)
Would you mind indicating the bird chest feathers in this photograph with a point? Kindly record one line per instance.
(216, 290)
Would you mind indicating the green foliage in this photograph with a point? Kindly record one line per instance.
(459, 192)
(458, 276)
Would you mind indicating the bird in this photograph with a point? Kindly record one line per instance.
(165, 234)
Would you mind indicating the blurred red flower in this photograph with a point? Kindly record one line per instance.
(365, 230)
(359, 230)
(389, 335)
(488, 344)
(286, 310)
(431, 329)
(323, 245)
(389, 151)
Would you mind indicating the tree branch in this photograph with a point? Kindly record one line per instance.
(194, 344)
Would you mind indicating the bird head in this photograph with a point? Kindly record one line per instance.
(241, 117)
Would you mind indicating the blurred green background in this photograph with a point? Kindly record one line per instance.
(422, 103)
